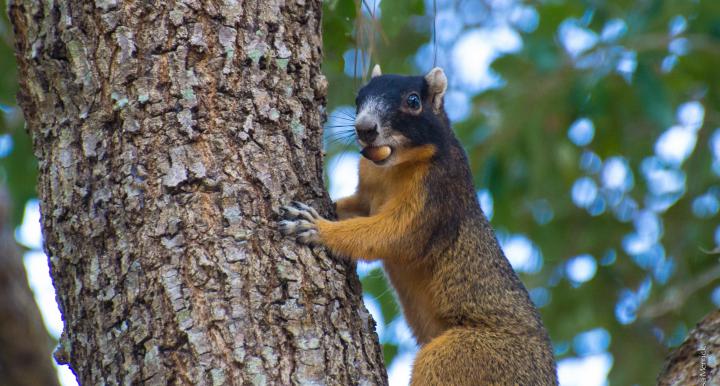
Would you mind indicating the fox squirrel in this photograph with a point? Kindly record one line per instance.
(416, 210)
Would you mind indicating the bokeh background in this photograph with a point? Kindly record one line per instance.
(593, 131)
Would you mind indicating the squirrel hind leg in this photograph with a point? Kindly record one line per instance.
(466, 356)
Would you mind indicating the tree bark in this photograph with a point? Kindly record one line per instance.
(697, 360)
(168, 134)
(25, 345)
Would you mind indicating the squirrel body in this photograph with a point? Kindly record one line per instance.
(416, 210)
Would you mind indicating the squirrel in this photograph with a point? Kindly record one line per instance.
(416, 210)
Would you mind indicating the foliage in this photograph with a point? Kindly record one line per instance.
(582, 142)
(18, 168)
(595, 144)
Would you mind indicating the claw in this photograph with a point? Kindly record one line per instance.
(297, 210)
(308, 237)
(290, 212)
(285, 227)
(309, 216)
(313, 214)
(299, 219)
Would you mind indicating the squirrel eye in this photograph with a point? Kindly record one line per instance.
(413, 101)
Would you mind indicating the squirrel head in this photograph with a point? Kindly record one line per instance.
(400, 118)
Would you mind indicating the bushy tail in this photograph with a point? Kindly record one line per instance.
(473, 356)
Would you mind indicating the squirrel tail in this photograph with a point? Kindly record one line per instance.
(474, 356)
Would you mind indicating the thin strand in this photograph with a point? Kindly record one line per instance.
(434, 33)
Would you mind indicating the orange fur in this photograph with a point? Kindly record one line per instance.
(468, 356)
(351, 206)
(389, 201)
(419, 214)
(464, 339)
(394, 196)
(413, 284)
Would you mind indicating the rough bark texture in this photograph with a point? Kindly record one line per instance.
(168, 134)
(25, 345)
(697, 360)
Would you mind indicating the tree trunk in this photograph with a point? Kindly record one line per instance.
(168, 134)
(697, 360)
(25, 345)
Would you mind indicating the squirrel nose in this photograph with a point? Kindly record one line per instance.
(366, 131)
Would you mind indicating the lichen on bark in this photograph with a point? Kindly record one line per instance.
(697, 360)
(167, 136)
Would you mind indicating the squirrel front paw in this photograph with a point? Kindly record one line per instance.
(299, 220)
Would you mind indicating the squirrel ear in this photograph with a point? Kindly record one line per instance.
(437, 84)
(376, 71)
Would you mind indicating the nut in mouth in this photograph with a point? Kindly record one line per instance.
(377, 154)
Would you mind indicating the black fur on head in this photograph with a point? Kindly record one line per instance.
(407, 111)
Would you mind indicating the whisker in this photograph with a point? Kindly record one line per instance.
(346, 141)
(339, 125)
(339, 131)
(344, 149)
(342, 114)
(340, 134)
(339, 128)
(339, 118)
(348, 112)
